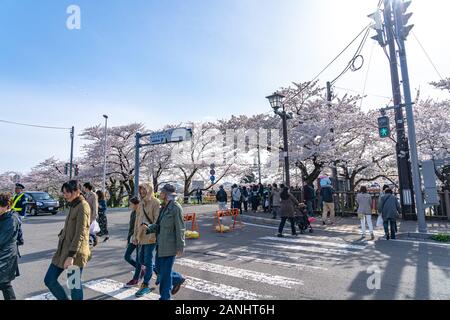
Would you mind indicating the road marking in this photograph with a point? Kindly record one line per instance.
(240, 273)
(264, 261)
(350, 230)
(112, 288)
(308, 249)
(304, 241)
(117, 290)
(221, 290)
(44, 296)
(278, 254)
(418, 242)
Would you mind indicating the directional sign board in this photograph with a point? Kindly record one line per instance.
(170, 136)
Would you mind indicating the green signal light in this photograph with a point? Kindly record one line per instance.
(384, 132)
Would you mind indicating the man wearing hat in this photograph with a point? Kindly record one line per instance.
(19, 201)
(170, 241)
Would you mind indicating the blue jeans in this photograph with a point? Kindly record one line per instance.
(51, 282)
(167, 277)
(135, 263)
(146, 253)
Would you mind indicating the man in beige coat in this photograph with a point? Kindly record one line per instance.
(146, 214)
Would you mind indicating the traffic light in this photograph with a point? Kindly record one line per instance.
(66, 169)
(402, 18)
(378, 27)
(383, 127)
(77, 170)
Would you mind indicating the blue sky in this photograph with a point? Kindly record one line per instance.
(162, 62)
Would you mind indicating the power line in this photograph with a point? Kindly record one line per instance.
(329, 64)
(358, 92)
(428, 56)
(33, 125)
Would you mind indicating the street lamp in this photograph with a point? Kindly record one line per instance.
(104, 153)
(276, 102)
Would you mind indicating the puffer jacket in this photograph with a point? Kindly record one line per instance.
(9, 230)
(287, 208)
(147, 213)
(74, 238)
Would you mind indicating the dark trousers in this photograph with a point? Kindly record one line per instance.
(135, 263)
(283, 222)
(237, 205)
(390, 223)
(246, 206)
(199, 200)
(51, 282)
(255, 204)
(167, 277)
(8, 291)
(103, 223)
(146, 254)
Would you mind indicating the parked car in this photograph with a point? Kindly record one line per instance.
(41, 202)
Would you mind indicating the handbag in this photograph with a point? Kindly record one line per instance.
(95, 227)
(380, 221)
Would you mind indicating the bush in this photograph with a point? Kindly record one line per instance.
(441, 237)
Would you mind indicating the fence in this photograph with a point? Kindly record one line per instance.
(345, 203)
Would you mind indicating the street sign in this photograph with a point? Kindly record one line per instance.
(170, 136)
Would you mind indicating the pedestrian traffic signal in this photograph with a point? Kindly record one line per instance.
(402, 18)
(77, 170)
(378, 27)
(66, 169)
(383, 127)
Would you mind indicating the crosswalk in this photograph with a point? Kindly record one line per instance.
(266, 263)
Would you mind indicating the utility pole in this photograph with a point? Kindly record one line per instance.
(402, 148)
(286, 149)
(72, 136)
(402, 32)
(334, 168)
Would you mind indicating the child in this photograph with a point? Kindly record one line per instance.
(131, 247)
(301, 218)
(9, 233)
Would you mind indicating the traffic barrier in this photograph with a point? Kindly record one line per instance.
(234, 213)
(192, 217)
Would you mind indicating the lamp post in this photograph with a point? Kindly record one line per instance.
(104, 153)
(276, 102)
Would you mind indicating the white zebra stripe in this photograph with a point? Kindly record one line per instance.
(305, 241)
(221, 290)
(308, 249)
(264, 261)
(240, 273)
(280, 254)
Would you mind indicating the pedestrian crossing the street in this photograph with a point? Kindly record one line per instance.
(213, 273)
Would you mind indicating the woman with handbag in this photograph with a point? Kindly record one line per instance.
(364, 201)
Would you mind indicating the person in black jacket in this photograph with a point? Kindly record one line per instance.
(9, 232)
(222, 198)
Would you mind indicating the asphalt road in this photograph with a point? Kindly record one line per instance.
(251, 263)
